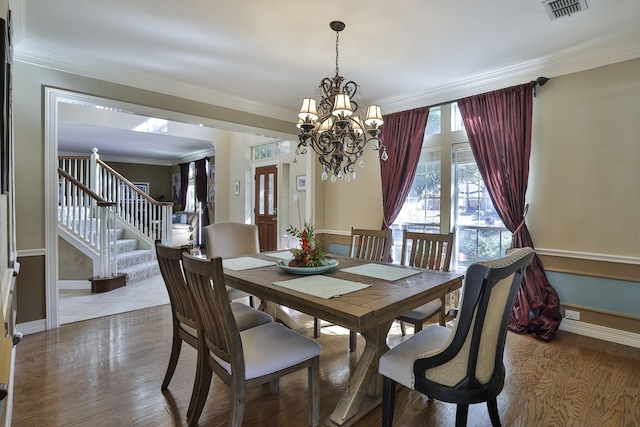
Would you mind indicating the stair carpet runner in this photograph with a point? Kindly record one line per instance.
(138, 264)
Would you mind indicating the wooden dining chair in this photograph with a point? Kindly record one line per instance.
(368, 245)
(243, 359)
(431, 251)
(230, 239)
(185, 325)
(462, 365)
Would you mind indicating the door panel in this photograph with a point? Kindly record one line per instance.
(266, 206)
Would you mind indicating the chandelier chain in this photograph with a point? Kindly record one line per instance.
(337, 53)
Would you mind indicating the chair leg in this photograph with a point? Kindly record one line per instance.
(461, 415)
(388, 401)
(199, 396)
(316, 327)
(176, 345)
(417, 327)
(494, 415)
(403, 330)
(238, 402)
(252, 303)
(274, 386)
(353, 340)
(314, 393)
(443, 311)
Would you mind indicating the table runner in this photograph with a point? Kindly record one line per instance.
(245, 263)
(381, 271)
(322, 286)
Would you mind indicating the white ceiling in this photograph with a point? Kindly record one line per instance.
(265, 56)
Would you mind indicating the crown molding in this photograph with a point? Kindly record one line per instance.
(568, 62)
(41, 56)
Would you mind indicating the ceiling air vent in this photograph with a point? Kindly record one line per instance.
(559, 8)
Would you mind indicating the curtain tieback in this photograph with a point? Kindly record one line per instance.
(524, 217)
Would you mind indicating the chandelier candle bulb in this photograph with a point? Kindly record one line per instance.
(332, 125)
(342, 106)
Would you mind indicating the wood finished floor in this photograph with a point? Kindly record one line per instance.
(107, 372)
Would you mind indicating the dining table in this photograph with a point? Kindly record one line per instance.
(360, 295)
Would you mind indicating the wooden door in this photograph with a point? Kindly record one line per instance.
(266, 206)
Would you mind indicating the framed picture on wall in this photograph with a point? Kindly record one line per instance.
(301, 182)
(175, 187)
(144, 186)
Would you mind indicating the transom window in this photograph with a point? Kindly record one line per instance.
(272, 149)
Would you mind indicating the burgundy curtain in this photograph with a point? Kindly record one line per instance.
(402, 135)
(498, 125)
(201, 190)
(184, 183)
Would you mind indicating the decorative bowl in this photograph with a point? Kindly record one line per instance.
(330, 264)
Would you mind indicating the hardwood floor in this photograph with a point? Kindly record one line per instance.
(107, 372)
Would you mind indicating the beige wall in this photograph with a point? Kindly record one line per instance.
(73, 264)
(357, 203)
(584, 186)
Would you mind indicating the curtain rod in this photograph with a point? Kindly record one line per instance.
(540, 81)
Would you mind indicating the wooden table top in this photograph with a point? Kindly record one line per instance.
(361, 310)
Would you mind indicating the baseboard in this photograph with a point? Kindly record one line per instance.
(32, 327)
(600, 332)
(74, 284)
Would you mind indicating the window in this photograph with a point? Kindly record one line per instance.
(451, 195)
(421, 209)
(480, 233)
(272, 149)
(190, 205)
(456, 118)
(434, 121)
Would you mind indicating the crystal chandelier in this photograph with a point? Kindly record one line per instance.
(330, 123)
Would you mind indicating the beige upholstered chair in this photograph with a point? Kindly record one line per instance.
(369, 245)
(183, 224)
(463, 365)
(243, 359)
(185, 326)
(230, 239)
(432, 251)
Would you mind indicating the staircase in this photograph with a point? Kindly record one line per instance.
(137, 264)
(110, 220)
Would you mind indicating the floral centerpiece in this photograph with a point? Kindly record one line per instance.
(309, 253)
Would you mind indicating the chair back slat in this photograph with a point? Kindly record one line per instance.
(370, 245)
(170, 263)
(427, 250)
(220, 332)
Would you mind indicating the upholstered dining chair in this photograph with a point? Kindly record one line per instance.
(243, 359)
(229, 239)
(185, 326)
(462, 365)
(369, 245)
(431, 251)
